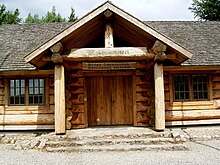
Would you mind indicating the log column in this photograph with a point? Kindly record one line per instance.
(159, 97)
(158, 49)
(60, 118)
(59, 88)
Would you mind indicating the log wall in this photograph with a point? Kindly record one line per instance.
(145, 94)
(27, 117)
(76, 109)
(193, 112)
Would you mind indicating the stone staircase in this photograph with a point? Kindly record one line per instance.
(115, 139)
(100, 139)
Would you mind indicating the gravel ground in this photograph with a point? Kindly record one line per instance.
(204, 152)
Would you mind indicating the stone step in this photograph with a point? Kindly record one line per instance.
(119, 147)
(99, 142)
(110, 136)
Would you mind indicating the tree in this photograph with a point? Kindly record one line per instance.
(9, 17)
(72, 16)
(206, 9)
(50, 16)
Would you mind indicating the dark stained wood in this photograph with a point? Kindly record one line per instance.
(109, 100)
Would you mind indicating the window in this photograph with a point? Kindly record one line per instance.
(26, 91)
(36, 91)
(17, 91)
(190, 87)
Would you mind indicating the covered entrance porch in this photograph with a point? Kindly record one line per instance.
(108, 40)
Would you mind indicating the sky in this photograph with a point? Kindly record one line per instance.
(145, 10)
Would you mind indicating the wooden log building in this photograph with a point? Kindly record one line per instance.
(109, 68)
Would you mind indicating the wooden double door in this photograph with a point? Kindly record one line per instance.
(109, 100)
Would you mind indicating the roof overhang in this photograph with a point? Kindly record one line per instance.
(182, 53)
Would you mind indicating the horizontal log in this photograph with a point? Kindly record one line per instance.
(192, 122)
(140, 97)
(109, 53)
(26, 127)
(216, 85)
(51, 99)
(216, 94)
(30, 119)
(190, 68)
(26, 108)
(194, 105)
(26, 72)
(141, 88)
(21, 110)
(77, 82)
(2, 91)
(192, 115)
(216, 78)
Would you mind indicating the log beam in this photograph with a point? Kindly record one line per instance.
(158, 47)
(159, 97)
(60, 119)
(57, 58)
(57, 48)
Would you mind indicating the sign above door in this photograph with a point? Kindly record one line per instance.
(108, 65)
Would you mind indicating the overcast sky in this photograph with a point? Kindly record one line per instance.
(143, 9)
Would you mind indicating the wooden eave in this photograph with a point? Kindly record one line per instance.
(191, 68)
(76, 35)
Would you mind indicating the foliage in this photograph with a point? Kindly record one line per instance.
(206, 9)
(51, 16)
(9, 17)
(72, 16)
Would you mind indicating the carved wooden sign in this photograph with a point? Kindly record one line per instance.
(108, 65)
(100, 53)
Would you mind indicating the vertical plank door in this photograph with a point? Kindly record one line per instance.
(109, 100)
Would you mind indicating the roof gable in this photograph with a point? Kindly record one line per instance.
(92, 19)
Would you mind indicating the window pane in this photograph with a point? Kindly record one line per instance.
(12, 83)
(16, 100)
(11, 100)
(21, 100)
(31, 101)
(36, 90)
(41, 91)
(41, 83)
(181, 87)
(22, 83)
(200, 87)
(30, 82)
(12, 92)
(31, 91)
(36, 82)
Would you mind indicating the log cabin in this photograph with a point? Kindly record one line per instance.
(109, 68)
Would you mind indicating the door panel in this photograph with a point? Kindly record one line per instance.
(109, 100)
(122, 100)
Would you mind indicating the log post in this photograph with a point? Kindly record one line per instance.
(109, 43)
(60, 111)
(159, 97)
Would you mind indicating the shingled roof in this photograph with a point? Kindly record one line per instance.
(200, 38)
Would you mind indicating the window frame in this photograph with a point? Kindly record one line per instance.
(26, 91)
(190, 84)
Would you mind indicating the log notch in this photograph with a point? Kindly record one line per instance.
(158, 49)
(57, 48)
